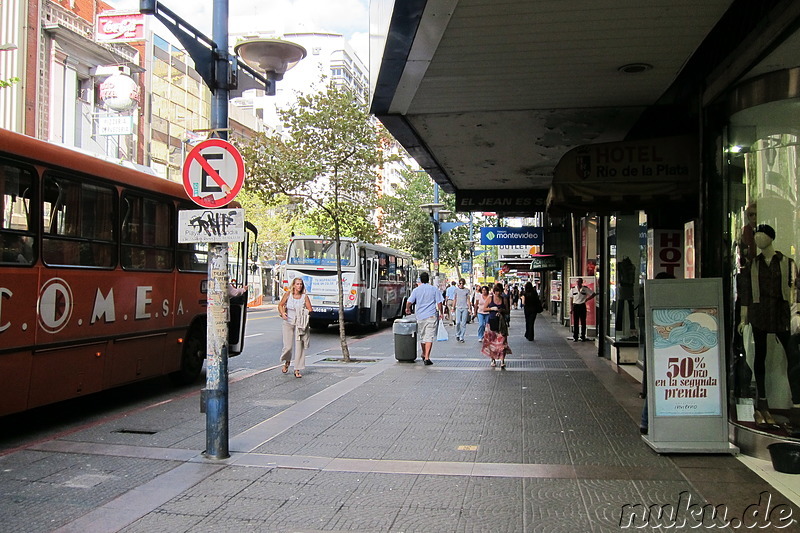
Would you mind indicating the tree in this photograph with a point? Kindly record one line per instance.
(412, 228)
(9, 82)
(325, 162)
(407, 227)
(355, 222)
(275, 221)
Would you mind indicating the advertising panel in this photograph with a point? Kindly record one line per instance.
(512, 236)
(555, 290)
(689, 251)
(686, 368)
(665, 253)
(119, 27)
(685, 353)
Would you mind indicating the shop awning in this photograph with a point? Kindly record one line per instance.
(624, 176)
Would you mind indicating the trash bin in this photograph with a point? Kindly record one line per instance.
(405, 339)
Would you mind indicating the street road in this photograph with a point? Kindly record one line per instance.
(262, 349)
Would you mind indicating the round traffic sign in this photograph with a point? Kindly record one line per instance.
(213, 173)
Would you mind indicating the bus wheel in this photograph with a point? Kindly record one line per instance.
(194, 353)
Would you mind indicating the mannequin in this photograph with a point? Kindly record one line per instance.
(767, 283)
(626, 276)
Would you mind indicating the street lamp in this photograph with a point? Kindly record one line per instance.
(471, 243)
(273, 56)
(434, 210)
(220, 73)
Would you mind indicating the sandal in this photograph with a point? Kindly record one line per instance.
(297, 374)
(502, 364)
(493, 363)
(285, 368)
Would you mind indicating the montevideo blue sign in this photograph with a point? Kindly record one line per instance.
(523, 235)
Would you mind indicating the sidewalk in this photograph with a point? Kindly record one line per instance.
(550, 444)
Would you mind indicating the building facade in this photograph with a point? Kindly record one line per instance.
(61, 67)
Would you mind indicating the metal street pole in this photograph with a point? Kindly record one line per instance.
(436, 236)
(213, 62)
(471, 252)
(218, 278)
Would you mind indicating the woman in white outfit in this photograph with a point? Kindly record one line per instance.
(295, 326)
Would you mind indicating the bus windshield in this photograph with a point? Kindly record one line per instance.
(319, 252)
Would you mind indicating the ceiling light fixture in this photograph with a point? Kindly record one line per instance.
(635, 68)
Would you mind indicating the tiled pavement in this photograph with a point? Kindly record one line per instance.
(549, 444)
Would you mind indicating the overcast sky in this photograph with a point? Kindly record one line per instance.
(348, 17)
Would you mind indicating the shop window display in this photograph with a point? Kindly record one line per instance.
(764, 160)
(626, 256)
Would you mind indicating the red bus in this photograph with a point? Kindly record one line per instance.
(95, 291)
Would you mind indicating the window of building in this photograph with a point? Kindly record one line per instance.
(763, 156)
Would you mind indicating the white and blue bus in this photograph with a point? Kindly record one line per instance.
(376, 280)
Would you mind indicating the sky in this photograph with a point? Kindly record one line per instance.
(347, 17)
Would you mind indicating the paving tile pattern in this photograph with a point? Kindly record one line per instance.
(41, 491)
(551, 444)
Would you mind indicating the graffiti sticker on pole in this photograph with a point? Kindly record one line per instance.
(213, 173)
(211, 225)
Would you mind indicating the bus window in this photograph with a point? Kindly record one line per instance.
(193, 257)
(392, 268)
(78, 221)
(17, 238)
(383, 266)
(319, 252)
(146, 233)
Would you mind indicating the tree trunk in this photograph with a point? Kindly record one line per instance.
(342, 336)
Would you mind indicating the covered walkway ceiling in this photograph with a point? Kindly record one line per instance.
(489, 94)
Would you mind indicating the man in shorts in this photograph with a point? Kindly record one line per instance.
(428, 300)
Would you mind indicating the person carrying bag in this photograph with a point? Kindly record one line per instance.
(294, 309)
(495, 340)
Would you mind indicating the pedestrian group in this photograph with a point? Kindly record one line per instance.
(491, 306)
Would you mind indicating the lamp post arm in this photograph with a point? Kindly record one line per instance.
(268, 85)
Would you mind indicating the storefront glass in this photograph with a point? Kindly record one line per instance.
(627, 254)
(764, 222)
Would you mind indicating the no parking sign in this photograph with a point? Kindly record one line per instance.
(213, 173)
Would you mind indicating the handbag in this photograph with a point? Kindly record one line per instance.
(441, 332)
